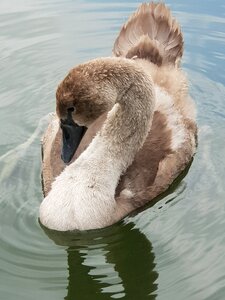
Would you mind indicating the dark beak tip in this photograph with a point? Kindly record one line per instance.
(66, 161)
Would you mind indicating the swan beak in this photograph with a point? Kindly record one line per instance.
(72, 136)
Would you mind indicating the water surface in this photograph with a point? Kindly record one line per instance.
(172, 250)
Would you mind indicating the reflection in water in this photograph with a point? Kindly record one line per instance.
(116, 262)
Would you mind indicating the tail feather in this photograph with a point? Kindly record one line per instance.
(151, 33)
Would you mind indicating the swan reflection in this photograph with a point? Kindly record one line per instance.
(113, 263)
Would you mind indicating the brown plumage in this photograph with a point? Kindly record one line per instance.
(151, 39)
(152, 33)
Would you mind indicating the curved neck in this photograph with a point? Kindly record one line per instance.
(129, 121)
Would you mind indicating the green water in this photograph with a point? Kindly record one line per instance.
(172, 250)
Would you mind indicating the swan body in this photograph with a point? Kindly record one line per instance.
(141, 127)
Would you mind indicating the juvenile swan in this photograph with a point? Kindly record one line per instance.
(127, 127)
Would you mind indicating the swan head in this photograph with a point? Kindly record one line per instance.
(84, 95)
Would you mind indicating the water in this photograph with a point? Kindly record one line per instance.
(172, 250)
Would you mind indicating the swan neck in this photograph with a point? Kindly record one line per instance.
(129, 121)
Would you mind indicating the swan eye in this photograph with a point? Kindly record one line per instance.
(70, 109)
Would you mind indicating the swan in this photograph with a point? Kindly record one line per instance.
(125, 127)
